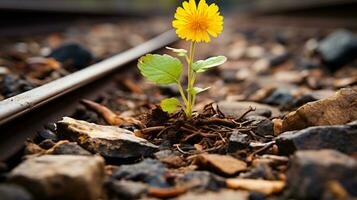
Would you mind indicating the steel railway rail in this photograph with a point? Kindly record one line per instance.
(22, 115)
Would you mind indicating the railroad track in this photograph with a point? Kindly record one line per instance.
(23, 115)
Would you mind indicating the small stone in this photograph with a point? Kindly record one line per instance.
(61, 176)
(262, 171)
(280, 97)
(13, 192)
(256, 185)
(73, 54)
(303, 100)
(127, 189)
(202, 181)
(148, 171)
(264, 126)
(47, 144)
(339, 137)
(311, 171)
(47, 134)
(338, 109)
(237, 109)
(237, 141)
(221, 194)
(66, 147)
(276, 60)
(171, 159)
(108, 141)
(338, 49)
(222, 164)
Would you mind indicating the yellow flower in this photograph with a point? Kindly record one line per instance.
(197, 23)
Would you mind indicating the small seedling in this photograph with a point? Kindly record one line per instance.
(194, 23)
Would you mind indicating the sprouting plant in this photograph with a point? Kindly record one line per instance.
(195, 23)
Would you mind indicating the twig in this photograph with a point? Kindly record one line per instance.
(148, 130)
(267, 146)
(250, 109)
(182, 151)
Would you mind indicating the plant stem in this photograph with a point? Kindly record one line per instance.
(190, 80)
(182, 92)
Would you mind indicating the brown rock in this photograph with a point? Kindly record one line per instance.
(338, 109)
(61, 176)
(237, 109)
(262, 186)
(223, 164)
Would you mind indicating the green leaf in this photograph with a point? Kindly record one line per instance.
(197, 90)
(179, 52)
(204, 65)
(160, 69)
(170, 105)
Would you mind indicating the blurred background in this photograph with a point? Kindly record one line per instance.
(101, 28)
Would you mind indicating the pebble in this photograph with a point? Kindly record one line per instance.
(338, 109)
(127, 189)
(236, 109)
(14, 192)
(237, 141)
(312, 171)
(61, 176)
(201, 181)
(280, 97)
(74, 55)
(47, 144)
(66, 147)
(265, 126)
(12, 85)
(339, 137)
(276, 60)
(338, 49)
(108, 141)
(47, 134)
(148, 171)
(221, 164)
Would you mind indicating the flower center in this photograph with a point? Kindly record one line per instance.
(199, 24)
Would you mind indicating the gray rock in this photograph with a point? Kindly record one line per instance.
(74, 54)
(311, 171)
(236, 109)
(237, 141)
(65, 147)
(338, 49)
(339, 137)
(108, 141)
(280, 97)
(61, 176)
(127, 189)
(265, 126)
(13, 192)
(202, 181)
(148, 171)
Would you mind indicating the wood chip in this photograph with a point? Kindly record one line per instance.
(223, 164)
(262, 186)
(166, 192)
